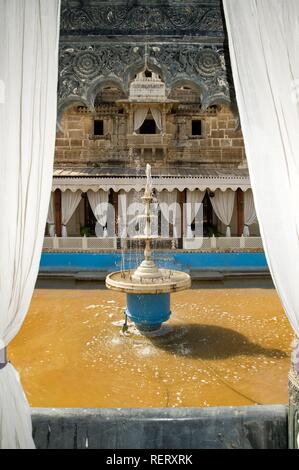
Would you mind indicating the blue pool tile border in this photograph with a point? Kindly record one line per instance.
(72, 261)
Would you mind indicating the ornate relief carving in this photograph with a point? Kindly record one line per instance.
(139, 19)
(207, 62)
(204, 65)
(79, 66)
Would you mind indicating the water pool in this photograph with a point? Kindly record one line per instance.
(224, 347)
(172, 260)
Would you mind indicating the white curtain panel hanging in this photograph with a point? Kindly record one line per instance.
(157, 115)
(69, 203)
(50, 218)
(135, 208)
(98, 201)
(223, 206)
(263, 43)
(194, 200)
(29, 33)
(170, 211)
(139, 117)
(249, 212)
(122, 214)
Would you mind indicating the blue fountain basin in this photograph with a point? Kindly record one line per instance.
(148, 311)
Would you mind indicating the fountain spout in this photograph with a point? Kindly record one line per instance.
(148, 288)
(149, 185)
(147, 270)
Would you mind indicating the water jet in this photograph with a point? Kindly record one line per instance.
(148, 289)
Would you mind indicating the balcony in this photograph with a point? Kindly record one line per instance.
(149, 140)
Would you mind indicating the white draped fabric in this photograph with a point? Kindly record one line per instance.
(98, 201)
(122, 214)
(134, 208)
(223, 206)
(249, 212)
(157, 115)
(50, 218)
(29, 32)
(263, 43)
(194, 200)
(139, 117)
(69, 203)
(170, 211)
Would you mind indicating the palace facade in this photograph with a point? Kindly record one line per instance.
(147, 82)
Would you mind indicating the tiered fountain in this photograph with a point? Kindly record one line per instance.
(148, 288)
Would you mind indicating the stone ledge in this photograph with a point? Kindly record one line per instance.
(253, 427)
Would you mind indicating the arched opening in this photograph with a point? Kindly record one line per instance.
(186, 92)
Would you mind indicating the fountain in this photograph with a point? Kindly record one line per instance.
(148, 288)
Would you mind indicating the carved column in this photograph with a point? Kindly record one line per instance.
(293, 410)
(131, 121)
(57, 212)
(293, 421)
(164, 112)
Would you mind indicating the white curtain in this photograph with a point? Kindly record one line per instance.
(29, 32)
(98, 201)
(69, 203)
(194, 200)
(139, 117)
(223, 206)
(135, 207)
(170, 211)
(157, 115)
(263, 42)
(50, 218)
(249, 212)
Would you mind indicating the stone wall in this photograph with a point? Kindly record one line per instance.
(221, 144)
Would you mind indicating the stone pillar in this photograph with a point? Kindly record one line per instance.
(164, 111)
(130, 121)
(293, 422)
(240, 211)
(57, 212)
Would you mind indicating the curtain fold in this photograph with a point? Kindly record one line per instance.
(194, 200)
(139, 117)
(223, 206)
(135, 207)
(122, 214)
(29, 33)
(157, 115)
(98, 201)
(170, 210)
(50, 218)
(249, 212)
(69, 203)
(267, 92)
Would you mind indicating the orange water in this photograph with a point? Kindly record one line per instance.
(225, 347)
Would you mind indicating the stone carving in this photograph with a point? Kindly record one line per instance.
(139, 19)
(293, 410)
(81, 65)
(85, 65)
(204, 65)
(207, 62)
